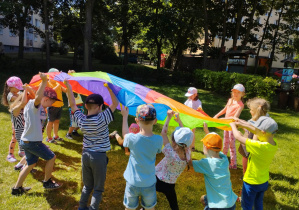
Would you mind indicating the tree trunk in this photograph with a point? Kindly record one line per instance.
(22, 24)
(21, 41)
(87, 34)
(47, 35)
(205, 48)
(263, 36)
(250, 24)
(238, 24)
(222, 50)
(159, 52)
(275, 37)
(75, 58)
(125, 9)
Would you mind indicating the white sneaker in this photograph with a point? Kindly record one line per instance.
(21, 153)
(11, 158)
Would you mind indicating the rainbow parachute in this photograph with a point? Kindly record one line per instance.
(132, 95)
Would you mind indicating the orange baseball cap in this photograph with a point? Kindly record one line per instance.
(213, 141)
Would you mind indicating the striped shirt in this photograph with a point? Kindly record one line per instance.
(18, 123)
(95, 130)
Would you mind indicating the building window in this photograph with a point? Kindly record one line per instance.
(35, 37)
(11, 33)
(1, 30)
(258, 20)
(256, 36)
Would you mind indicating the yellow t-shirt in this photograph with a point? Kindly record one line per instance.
(58, 91)
(261, 155)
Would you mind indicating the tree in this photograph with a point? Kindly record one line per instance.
(17, 15)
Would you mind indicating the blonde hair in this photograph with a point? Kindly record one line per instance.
(180, 147)
(259, 105)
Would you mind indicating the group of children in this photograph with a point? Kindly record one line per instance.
(142, 177)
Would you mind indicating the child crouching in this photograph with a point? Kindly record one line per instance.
(216, 174)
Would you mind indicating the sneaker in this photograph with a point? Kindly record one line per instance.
(11, 158)
(51, 185)
(75, 133)
(69, 136)
(51, 140)
(112, 135)
(57, 138)
(21, 153)
(18, 168)
(19, 191)
(233, 167)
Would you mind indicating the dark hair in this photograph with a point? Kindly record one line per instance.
(6, 90)
(196, 97)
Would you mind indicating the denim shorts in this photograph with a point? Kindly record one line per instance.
(34, 150)
(54, 113)
(148, 196)
(207, 206)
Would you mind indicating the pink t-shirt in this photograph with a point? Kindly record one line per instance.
(231, 109)
(171, 166)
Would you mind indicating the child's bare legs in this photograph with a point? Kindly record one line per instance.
(119, 139)
(23, 174)
(49, 168)
(49, 129)
(56, 127)
(10, 157)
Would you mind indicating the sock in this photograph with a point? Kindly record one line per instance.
(19, 164)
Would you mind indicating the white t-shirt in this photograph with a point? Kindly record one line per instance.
(193, 104)
(33, 126)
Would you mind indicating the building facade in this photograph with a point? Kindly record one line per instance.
(32, 40)
(265, 52)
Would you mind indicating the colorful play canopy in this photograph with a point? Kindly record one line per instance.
(132, 95)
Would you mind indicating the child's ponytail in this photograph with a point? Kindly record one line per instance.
(187, 159)
(6, 90)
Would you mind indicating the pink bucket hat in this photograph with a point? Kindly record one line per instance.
(132, 126)
(15, 82)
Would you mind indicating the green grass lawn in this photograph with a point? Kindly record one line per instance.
(283, 192)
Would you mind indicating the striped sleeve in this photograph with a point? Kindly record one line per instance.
(108, 115)
(78, 116)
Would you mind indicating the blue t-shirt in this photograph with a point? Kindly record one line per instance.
(140, 171)
(217, 181)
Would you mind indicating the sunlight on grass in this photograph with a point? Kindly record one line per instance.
(283, 192)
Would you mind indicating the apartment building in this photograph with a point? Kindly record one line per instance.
(32, 41)
(264, 54)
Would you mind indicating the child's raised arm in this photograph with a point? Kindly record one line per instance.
(113, 98)
(125, 114)
(17, 109)
(165, 127)
(70, 96)
(40, 92)
(178, 119)
(237, 134)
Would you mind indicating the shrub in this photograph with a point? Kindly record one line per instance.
(63, 48)
(261, 70)
(222, 83)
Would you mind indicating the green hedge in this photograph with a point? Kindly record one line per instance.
(222, 83)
